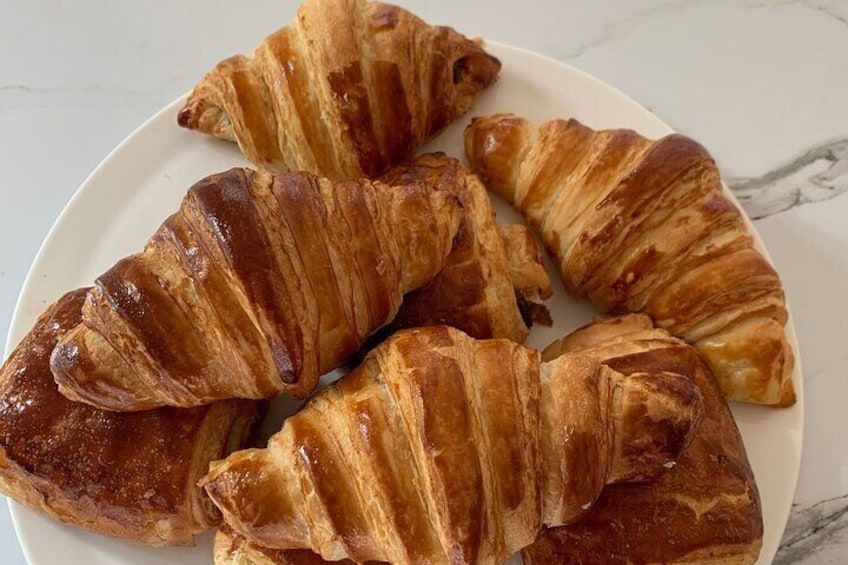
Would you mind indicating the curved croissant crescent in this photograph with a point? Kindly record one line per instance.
(347, 89)
(443, 449)
(643, 226)
(258, 285)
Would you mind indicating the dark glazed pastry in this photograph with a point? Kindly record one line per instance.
(705, 510)
(128, 475)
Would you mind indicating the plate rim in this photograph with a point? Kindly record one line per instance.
(16, 331)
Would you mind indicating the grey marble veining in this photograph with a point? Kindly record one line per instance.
(836, 9)
(619, 26)
(816, 533)
(820, 173)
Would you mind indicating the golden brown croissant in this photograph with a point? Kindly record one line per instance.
(491, 271)
(127, 475)
(347, 89)
(258, 285)
(643, 226)
(440, 448)
(704, 510)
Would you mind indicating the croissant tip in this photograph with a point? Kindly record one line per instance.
(62, 360)
(204, 481)
(480, 43)
(787, 399)
(495, 62)
(186, 116)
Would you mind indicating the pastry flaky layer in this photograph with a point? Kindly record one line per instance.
(494, 273)
(127, 475)
(232, 548)
(347, 89)
(259, 284)
(440, 448)
(643, 226)
(704, 510)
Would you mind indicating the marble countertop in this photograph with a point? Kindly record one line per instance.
(763, 84)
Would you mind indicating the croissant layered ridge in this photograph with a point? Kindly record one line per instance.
(643, 225)
(231, 548)
(258, 285)
(493, 283)
(443, 449)
(347, 89)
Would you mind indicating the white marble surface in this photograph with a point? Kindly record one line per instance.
(764, 85)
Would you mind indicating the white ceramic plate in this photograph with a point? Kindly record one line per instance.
(142, 181)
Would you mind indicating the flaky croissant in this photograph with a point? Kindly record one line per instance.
(347, 89)
(705, 510)
(258, 285)
(443, 449)
(128, 475)
(493, 272)
(643, 226)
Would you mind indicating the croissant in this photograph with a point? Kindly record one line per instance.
(643, 226)
(347, 89)
(443, 449)
(493, 271)
(128, 475)
(704, 510)
(258, 285)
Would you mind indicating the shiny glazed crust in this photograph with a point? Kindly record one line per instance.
(705, 510)
(258, 285)
(441, 448)
(643, 226)
(490, 268)
(347, 89)
(128, 475)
